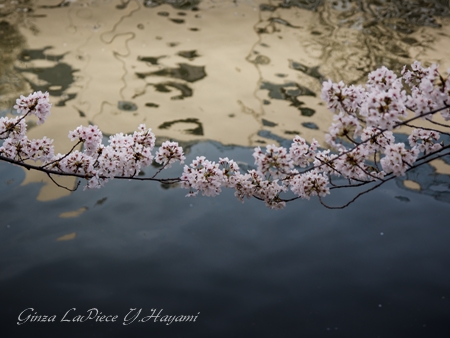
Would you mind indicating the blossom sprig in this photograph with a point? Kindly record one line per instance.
(124, 155)
(169, 153)
(276, 161)
(91, 136)
(311, 183)
(37, 104)
(202, 175)
(428, 89)
(362, 132)
(14, 128)
(230, 171)
(301, 153)
(425, 141)
(398, 159)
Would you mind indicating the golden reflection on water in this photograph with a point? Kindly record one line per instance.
(74, 213)
(204, 70)
(67, 237)
(411, 185)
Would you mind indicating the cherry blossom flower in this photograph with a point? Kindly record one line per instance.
(75, 162)
(300, 153)
(267, 190)
(325, 162)
(311, 183)
(276, 161)
(40, 149)
(383, 109)
(352, 164)
(425, 140)
(37, 104)
(15, 128)
(340, 98)
(144, 137)
(344, 126)
(169, 153)
(243, 185)
(398, 159)
(14, 148)
(375, 139)
(202, 175)
(91, 136)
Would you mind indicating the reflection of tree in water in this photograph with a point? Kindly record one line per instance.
(351, 38)
(357, 37)
(13, 14)
(11, 41)
(178, 4)
(431, 183)
(54, 79)
(185, 72)
(305, 4)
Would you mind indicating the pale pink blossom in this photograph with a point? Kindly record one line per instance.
(302, 154)
(311, 183)
(169, 153)
(202, 175)
(425, 140)
(15, 127)
(276, 161)
(90, 135)
(398, 159)
(37, 104)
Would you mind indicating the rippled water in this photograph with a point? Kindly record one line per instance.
(220, 77)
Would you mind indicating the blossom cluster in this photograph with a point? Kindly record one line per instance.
(36, 104)
(124, 155)
(362, 133)
(366, 116)
(169, 153)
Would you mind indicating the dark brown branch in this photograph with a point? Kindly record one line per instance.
(61, 173)
(429, 129)
(439, 124)
(162, 168)
(350, 139)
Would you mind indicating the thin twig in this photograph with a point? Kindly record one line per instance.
(61, 186)
(439, 124)
(60, 159)
(425, 128)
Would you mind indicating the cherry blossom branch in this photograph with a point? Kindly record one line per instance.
(50, 172)
(376, 186)
(370, 113)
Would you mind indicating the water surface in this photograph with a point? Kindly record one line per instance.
(220, 77)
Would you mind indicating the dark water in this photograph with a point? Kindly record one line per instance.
(379, 268)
